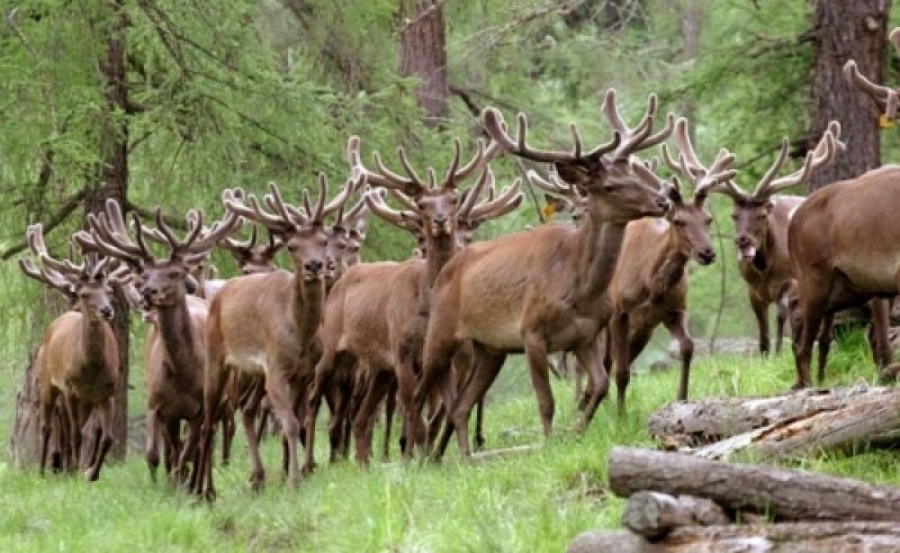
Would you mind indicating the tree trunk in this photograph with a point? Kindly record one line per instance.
(784, 494)
(843, 31)
(423, 55)
(815, 537)
(691, 19)
(113, 179)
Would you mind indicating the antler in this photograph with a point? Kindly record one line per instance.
(407, 220)
(824, 152)
(64, 274)
(625, 140)
(412, 184)
(689, 165)
(508, 200)
(884, 96)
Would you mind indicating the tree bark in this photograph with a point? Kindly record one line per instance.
(691, 19)
(842, 31)
(113, 179)
(789, 495)
(423, 54)
(846, 428)
(653, 514)
(807, 537)
(710, 420)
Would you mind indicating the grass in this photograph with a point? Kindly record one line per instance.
(535, 501)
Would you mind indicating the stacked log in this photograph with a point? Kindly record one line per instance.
(683, 503)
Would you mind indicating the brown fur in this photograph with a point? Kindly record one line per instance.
(843, 251)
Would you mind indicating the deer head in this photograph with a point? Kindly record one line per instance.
(161, 281)
(434, 205)
(605, 175)
(301, 230)
(348, 233)
(86, 284)
(688, 217)
(752, 211)
(250, 256)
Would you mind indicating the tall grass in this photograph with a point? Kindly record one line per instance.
(531, 501)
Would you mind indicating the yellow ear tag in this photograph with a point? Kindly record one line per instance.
(549, 211)
(884, 122)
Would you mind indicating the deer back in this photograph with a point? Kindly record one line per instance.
(851, 227)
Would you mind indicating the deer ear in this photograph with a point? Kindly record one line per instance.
(572, 173)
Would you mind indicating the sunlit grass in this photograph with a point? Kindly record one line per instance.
(531, 501)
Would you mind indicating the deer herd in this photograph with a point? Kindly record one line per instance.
(432, 333)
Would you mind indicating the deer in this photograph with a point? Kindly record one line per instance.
(471, 215)
(541, 290)
(842, 243)
(381, 326)
(761, 220)
(286, 308)
(77, 366)
(650, 283)
(180, 318)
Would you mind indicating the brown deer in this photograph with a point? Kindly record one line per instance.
(381, 326)
(541, 290)
(473, 212)
(180, 319)
(761, 222)
(286, 310)
(77, 366)
(650, 283)
(842, 241)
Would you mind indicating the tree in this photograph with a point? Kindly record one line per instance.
(423, 55)
(842, 31)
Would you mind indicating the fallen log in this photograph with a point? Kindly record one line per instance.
(681, 425)
(783, 494)
(807, 537)
(849, 427)
(653, 514)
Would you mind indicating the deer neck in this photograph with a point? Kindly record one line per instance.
(762, 261)
(668, 267)
(307, 305)
(598, 245)
(177, 334)
(93, 339)
(440, 249)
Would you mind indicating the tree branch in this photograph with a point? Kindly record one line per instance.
(69, 206)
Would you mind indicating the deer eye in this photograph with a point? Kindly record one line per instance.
(708, 221)
(678, 223)
(734, 216)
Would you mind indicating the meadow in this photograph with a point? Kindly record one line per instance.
(530, 501)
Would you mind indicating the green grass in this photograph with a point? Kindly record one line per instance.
(535, 501)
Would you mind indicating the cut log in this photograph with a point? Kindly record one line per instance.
(653, 514)
(784, 494)
(850, 427)
(711, 420)
(812, 537)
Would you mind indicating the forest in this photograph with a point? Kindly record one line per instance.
(164, 105)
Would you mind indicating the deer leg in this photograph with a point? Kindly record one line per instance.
(676, 323)
(378, 384)
(761, 312)
(589, 357)
(104, 418)
(281, 396)
(782, 312)
(48, 406)
(440, 348)
(229, 428)
(249, 413)
(216, 377)
(151, 449)
(824, 340)
(536, 354)
(390, 405)
(324, 372)
(618, 332)
(484, 370)
(881, 345)
(171, 443)
(811, 311)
